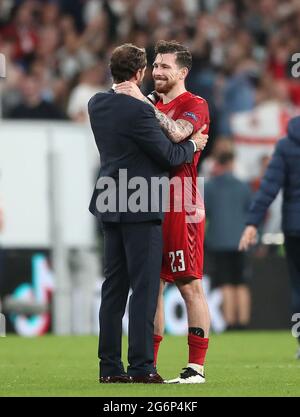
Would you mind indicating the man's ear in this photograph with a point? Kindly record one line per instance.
(138, 74)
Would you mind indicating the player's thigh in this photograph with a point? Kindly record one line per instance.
(183, 248)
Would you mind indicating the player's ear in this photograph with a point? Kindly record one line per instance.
(183, 73)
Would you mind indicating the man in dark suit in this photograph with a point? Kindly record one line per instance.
(132, 147)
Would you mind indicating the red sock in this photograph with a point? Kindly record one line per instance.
(156, 340)
(197, 349)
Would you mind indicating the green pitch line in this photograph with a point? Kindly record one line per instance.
(238, 364)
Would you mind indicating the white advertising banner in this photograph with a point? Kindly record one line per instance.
(27, 183)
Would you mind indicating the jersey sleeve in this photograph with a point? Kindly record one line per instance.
(196, 112)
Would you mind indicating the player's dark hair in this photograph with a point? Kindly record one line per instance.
(125, 62)
(183, 55)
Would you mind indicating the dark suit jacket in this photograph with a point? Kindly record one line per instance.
(129, 137)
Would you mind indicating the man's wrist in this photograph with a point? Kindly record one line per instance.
(153, 97)
(194, 144)
(145, 100)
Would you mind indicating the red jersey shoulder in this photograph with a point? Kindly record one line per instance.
(195, 110)
(197, 98)
(195, 102)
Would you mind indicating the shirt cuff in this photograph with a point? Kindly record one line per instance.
(195, 146)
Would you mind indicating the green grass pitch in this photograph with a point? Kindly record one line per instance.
(238, 364)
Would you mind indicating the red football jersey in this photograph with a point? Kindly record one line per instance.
(183, 240)
(193, 109)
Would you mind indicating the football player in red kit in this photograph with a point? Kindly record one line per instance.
(181, 114)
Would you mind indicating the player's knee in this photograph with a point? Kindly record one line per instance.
(187, 293)
(191, 291)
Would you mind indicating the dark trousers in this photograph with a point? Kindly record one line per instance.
(292, 247)
(132, 258)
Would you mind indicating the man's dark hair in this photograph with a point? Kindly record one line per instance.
(183, 55)
(225, 157)
(125, 62)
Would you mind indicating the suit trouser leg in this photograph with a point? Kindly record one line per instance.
(113, 301)
(144, 258)
(292, 246)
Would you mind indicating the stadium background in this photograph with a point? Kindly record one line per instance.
(57, 56)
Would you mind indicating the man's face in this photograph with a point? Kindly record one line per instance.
(166, 73)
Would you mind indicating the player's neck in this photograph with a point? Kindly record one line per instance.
(175, 92)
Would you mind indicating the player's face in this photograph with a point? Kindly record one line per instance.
(166, 73)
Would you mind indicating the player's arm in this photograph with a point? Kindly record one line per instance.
(148, 135)
(270, 186)
(176, 130)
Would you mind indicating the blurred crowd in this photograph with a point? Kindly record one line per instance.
(57, 51)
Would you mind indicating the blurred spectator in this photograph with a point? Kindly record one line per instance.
(10, 88)
(5, 10)
(239, 92)
(226, 203)
(22, 31)
(92, 81)
(211, 167)
(33, 106)
(236, 46)
(74, 8)
(72, 57)
(95, 37)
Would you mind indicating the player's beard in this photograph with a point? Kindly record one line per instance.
(164, 86)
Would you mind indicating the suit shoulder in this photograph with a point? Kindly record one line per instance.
(130, 102)
(134, 105)
(134, 102)
(95, 98)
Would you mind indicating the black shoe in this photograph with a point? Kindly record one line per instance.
(147, 379)
(116, 379)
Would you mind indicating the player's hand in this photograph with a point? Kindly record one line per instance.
(200, 138)
(129, 88)
(248, 238)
